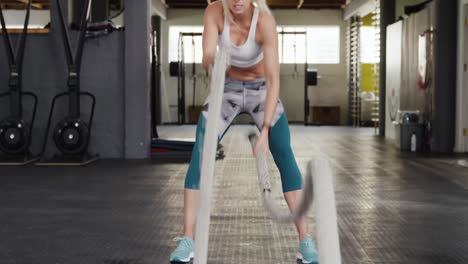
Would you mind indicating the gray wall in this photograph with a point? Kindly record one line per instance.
(331, 90)
(105, 63)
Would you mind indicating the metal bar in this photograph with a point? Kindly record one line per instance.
(24, 36)
(65, 36)
(81, 38)
(6, 38)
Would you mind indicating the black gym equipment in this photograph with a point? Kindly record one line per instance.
(163, 148)
(71, 135)
(15, 131)
(177, 69)
(310, 75)
(310, 79)
(192, 110)
(155, 80)
(175, 148)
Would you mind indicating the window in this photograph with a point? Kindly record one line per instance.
(191, 45)
(291, 47)
(321, 42)
(323, 45)
(368, 45)
(14, 19)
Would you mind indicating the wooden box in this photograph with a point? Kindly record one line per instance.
(325, 115)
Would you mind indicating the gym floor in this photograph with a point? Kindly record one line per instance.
(392, 207)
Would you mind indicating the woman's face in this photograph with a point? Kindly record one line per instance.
(239, 7)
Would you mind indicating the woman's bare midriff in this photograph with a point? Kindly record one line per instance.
(247, 74)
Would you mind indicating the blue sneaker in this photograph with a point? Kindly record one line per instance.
(184, 250)
(307, 252)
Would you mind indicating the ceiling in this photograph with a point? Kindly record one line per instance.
(308, 4)
(21, 4)
(45, 4)
(288, 4)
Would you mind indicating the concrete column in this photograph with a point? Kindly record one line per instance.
(445, 61)
(137, 79)
(387, 13)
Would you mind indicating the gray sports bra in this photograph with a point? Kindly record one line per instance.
(249, 53)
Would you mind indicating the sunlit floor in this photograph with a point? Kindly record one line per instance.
(392, 207)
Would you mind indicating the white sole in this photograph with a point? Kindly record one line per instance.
(299, 256)
(185, 260)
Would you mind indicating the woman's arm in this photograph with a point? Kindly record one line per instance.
(269, 36)
(210, 33)
(269, 40)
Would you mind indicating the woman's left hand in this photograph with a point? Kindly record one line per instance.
(262, 143)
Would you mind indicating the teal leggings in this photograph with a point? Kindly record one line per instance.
(280, 147)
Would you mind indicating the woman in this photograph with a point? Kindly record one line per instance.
(252, 86)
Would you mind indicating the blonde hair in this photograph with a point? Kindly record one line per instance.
(261, 4)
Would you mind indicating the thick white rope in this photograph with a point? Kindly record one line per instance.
(210, 142)
(318, 187)
(268, 200)
(325, 212)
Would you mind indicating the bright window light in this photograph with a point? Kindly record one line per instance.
(191, 52)
(15, 18)
(321, 42)
(323, 45)
(368, 45)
